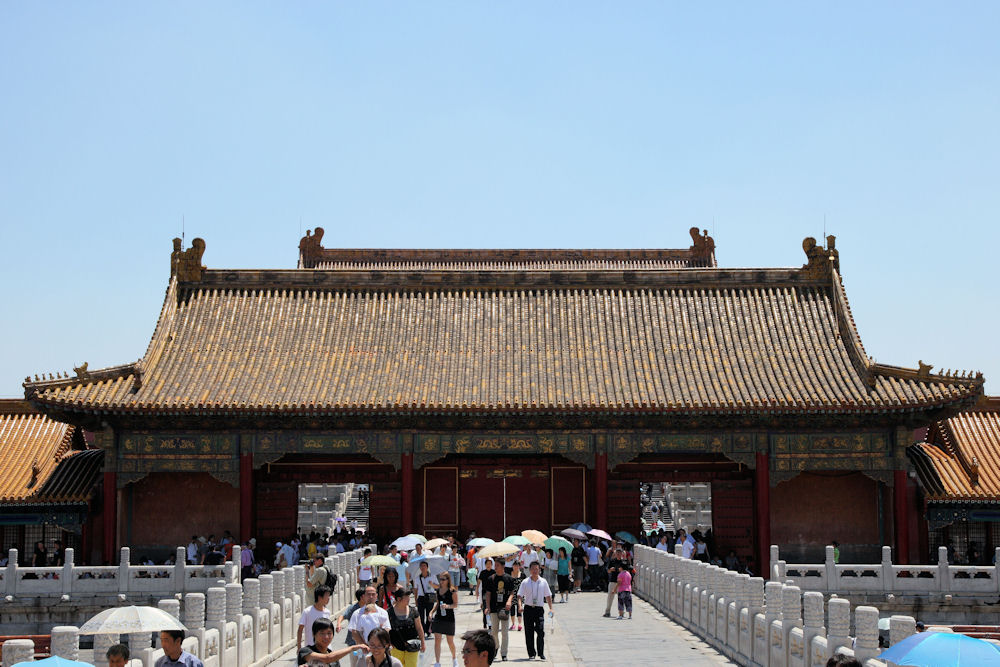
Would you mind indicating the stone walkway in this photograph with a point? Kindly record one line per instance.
(582, 636)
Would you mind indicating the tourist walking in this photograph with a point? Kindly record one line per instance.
(594, 566)
(615, 566)
(562, 575)
(378, 655)
(174, 655)
(551, 567)
(479, 648)
(385, 593)
(319, 654)
(499, 591)
(535, 592)
(443, 618)
(624, 588)
(578, 559)
(425, 587)
(517, 576)
(321, 597)
(406, 632)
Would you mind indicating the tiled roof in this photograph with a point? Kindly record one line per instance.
(961, 458)
(74, 478)
(31, 446)
(431, 341)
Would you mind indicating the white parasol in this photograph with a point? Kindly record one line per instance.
(124, 620)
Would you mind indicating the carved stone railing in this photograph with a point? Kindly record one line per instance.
(887, 577)
(772, 625)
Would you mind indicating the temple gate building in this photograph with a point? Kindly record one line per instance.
(498, 390)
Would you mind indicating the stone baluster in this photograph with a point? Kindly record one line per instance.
(194, 611)
(124, 566)
(215, 606)
(66, 577)
(180, 570)
(65, 642)
(172, 606)
(839, 625)
(755, 595)
(300, 582)
(278, 588)
(866, 630)
(830, 568)
(901, 627)
(251, 595)
(812, 613)
(773, 569)
(944, 578)
(236, 559)
(10, 576)
(101, 645)
(772, 603)
(791, 616)
(266, 590)
(18, 650)
(234, 602)
(138, 641)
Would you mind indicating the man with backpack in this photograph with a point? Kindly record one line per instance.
(317, 574)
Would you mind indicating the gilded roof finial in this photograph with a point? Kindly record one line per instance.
(704, 245)
(186, 264)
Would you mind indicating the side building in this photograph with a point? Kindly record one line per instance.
(498, 390)
(958, 465)
(49, 481)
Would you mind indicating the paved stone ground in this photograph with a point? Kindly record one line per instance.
(581, 636)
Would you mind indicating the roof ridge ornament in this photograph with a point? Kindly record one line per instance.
(311, 248)
(704, 245)
(186, 264)
(822, 260)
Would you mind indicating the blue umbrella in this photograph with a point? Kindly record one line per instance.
(942, 649)
(54, 661)
(582, 527)
(626, 536)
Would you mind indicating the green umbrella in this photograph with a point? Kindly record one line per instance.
(516, 540)
(555, 542)
(626, 536)
(378, 561)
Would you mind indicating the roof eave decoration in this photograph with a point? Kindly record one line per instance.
(186, 264)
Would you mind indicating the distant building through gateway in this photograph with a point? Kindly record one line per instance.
(450, 380)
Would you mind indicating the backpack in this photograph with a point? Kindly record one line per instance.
(331, 579)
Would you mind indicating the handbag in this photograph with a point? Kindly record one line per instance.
(503, 614)
(412, 645)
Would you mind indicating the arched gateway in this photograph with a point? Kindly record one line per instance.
(555, 379)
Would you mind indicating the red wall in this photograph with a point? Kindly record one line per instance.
(166, 509)
(812, 509)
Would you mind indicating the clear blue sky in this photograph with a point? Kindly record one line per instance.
(465, 124)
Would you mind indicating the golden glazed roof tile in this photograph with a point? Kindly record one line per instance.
(960, 461)
(31, 446)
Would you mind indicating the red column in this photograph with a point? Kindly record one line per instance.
(762, 513)
(901, 517)
(246, 496)
(407, 509)
(601, 490)
(110, 517)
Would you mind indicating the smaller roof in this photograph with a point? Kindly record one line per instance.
(960, 459)
(37, 460)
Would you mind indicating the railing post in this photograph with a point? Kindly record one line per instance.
(944, 574)
(772, 572)
(10, 578)
(18, 650)
(67, 577)
(839, 626)
(124, 562)
(888, 575)
(832, 582)
(180, 570)
(901, 627)
(65, 641)
(866, 631)
(812, 616)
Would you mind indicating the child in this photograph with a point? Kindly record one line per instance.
(624, 593)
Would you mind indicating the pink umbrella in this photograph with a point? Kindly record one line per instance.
(599, 533)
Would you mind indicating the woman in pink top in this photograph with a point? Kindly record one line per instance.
(624, 593)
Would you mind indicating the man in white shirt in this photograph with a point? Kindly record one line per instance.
(364, 571)
(192, 550)
(662, 544)
(317, 610)
(535, 591)
(368, 617)
(528, 556)
(594, 565)
(686, 542)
